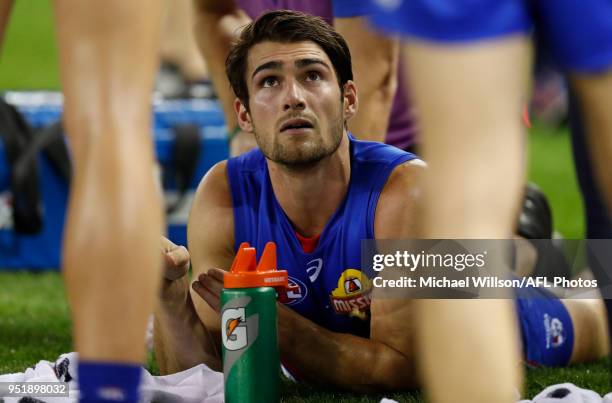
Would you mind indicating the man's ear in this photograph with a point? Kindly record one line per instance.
(244, 117)
(350, 99)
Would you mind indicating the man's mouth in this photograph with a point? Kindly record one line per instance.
(296, 124)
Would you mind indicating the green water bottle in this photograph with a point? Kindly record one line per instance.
(251, 363)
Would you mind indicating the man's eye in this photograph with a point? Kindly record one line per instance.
(269, 82)
(313, 76)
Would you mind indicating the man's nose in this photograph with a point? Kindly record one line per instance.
(294, 96)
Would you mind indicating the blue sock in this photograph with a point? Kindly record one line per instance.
(108, 382)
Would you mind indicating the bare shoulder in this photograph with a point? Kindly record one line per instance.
(396, 209)
(210, 230)
(214, 187)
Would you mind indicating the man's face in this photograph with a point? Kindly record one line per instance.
(296, 109)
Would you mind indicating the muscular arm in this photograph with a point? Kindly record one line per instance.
(346, 361)
(375, 59)
(386, 360)
(210, 235)
(181, 341)
(188, 327)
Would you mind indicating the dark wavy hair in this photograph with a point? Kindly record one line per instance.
(286, 26)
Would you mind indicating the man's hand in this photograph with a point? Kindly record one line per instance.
(176, 259)
(209, 286)
(181, 340)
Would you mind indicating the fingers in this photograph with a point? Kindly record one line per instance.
(173, 273)
(176, 262)
(179, 256)
(175, 254)
(217, 274)
(166, 244)
(212, 298)
(211, 282)
(209, 286)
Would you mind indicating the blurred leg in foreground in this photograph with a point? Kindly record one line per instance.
(108, 55)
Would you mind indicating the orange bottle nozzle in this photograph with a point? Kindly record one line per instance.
(267, 261)
(246, 273)
(245, 259)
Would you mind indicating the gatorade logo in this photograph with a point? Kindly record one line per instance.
(235, 329)
(238, 332)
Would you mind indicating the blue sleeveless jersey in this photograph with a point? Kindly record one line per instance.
(326, 286)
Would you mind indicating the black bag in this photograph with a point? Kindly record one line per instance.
(22, 146)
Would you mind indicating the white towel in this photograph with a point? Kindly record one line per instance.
(199, 384)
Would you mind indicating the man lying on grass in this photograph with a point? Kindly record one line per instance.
(316, 192)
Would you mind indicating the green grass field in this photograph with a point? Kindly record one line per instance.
(34, 325)
(551, 167)
(29, 54)
(34, 319)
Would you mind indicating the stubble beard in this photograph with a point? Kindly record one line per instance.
(306, 154)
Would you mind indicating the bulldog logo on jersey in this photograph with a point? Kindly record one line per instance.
(295, 292)
(352, 285)
(555, 334)
(353, 295)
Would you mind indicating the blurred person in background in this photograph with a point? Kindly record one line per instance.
(182, 72)
(554, 104)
